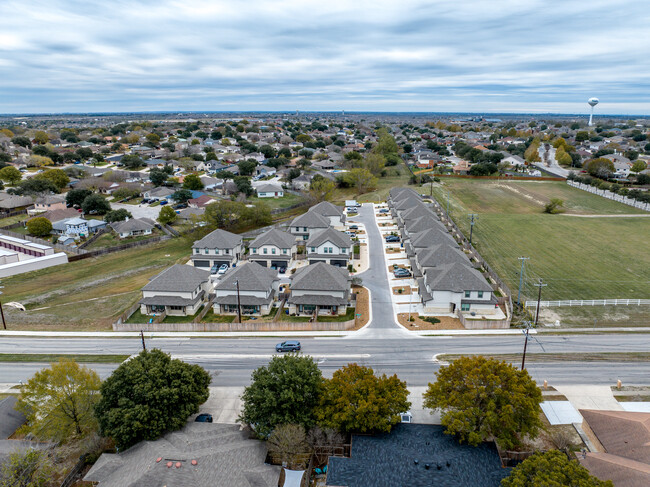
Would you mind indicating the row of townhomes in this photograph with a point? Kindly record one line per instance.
(305, 270)
(446, 278)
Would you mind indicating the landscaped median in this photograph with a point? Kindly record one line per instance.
(52, 357)
(560, 357)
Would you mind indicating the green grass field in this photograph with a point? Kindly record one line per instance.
(289, 199)
(578, 257)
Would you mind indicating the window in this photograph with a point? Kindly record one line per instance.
(468, 294)
(304, 229)
(331, 251)
(207, 251)
(297, 229)
(227, 251)
(480, 294)
(216, 251)
(273, 250)
(284, 251)
(177, 308)
(254, 250)
(196, 251)
(464, 307)
(313, 249)
(344, 250)
(265, 251)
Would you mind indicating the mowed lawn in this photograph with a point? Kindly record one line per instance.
(578, 257)
(88, 294)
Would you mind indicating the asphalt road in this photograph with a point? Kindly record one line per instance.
(412, 359)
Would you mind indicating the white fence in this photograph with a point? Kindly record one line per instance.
(612, 196)
(588, 302)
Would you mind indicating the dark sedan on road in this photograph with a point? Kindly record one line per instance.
(204, 418)
(288, 346)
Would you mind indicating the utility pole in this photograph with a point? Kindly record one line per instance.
(523, 358)
(2, 313)
(521, 278)
(473, 217)
(238, 301)
(144, 347)
(540, 284)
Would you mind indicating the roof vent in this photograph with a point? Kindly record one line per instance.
(158, 459)
(169, 464)
(178, 464)
(426, 466)
(438, 466)
(416, 461)
(194, 462)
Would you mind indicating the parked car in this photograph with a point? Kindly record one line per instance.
(351, 234)
(288, 346)
(383, 210)
(214, 269)
(401, 272)
(392, 238)
(354, 227)
(222, 270)
(282, 270)
(180, 206)
(204, 418)
(163, 202)
(145, 201)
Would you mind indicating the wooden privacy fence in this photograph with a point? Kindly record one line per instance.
(588, 302)
(246, 326)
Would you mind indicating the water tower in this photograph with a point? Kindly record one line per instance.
(592, 102)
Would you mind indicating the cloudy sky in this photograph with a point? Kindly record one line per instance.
(407, 55)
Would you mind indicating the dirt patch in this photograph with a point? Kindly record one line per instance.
(393, 250)
(446, 323)
(363, 306)
(405, 290)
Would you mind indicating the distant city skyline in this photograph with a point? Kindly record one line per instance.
(473, 56)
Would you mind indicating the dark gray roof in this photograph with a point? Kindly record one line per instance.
(406, 202)
(400, 193)
(493, 300)
(455, 277)
(389, 460)
(10, 419)
(326, 208)
(416, 212)
(280, 239)
(318, 300)
(133, 224)
(339, 239)
(217, 258)
(224, 455)
(219, 239)
(244, 299)
(423, 223)
(171, 300)
(439, 255)
(321, 277)
(251, 277)
(179, 277)
(311, 219)
(269, 188)
(431, 237)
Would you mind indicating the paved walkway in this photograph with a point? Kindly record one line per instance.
(590, 397)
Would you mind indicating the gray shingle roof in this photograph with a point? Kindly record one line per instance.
(179, 277)
(318, 300)
(311, 219)
(251, 277)
(326, 208)
(407, 202)
(440, 254)
(224, 455)
(455, 277)
(321, 277)
(172, 300)
(339, 239)
(423, 223)
(389, 460)
(280, 239)
(133, 224)
(245, 300)
(416, 212)
(219, 239)
(10, 419)
(268, 188)
(431, 237)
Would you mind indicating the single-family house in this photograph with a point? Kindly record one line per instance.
(14, 202)
(269, 191)
(274, 249)
(330, 211)
(191, 214)
(320, 289)
(257, 156)
(263, 171)
(133, 227)
(249, 285)
(159, 193)
(179, 290)
(302, 182)
(329, 246)
(216, 249)
(307, 224)
(200, 202)
(48, 203)
(513, 160)
(77, 227)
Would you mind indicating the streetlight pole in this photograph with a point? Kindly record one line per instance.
(540, 284)
(523, 358)
(521, 278)
(473, 217)
(238, 301)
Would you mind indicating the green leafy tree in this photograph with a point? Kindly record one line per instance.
(132, 161)
(483, 399)
(193, 182)
(246, 168)
(182, 196)
(356, 400)
(362, 179)
(532, 154)
(638, 166)
(77, 196)
(126, 193)
(28, 468)
(243, 185)
(286, 391)
(37, 186)
(582, 136)
(386, 143)
(95, 204)
(157, 176)
(563, 157)
(288, 445)
(84, 153)
(148, 396)
(223, 214)
(117, 215)
(599, 167)
(167, 215)
(59, 401)
(375, 163)
(58, 177)
(258, 215)
(39, 226)
(22, 141)
(552, 469)
(153, 139)
(321, 189)
(10, 175)
(554, 206)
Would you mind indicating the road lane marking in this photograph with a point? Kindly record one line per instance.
(207, 356)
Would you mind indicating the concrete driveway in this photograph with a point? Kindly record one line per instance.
(139, 211)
